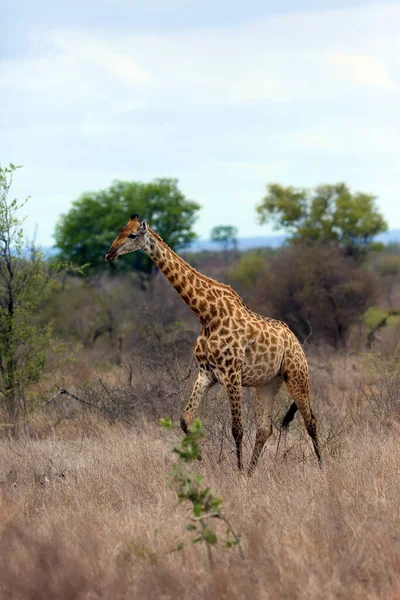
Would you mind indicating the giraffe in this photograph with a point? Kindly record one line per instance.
(236, 347)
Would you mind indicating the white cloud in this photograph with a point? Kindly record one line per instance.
(344, 139)
(294, 96)
(287, 58)
(71, 75)
(88, 50)
(364, 70)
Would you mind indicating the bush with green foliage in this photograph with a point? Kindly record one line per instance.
(387, 265)
(24, 282)
(317, 285)
(250, 267)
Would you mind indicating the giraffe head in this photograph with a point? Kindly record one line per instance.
(132, 237)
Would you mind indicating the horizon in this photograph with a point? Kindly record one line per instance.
(273, 241)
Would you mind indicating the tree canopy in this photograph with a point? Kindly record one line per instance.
(325, 213)
(225, 235)
(84, 234)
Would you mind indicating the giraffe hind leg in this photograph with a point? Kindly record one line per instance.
(312, 432)
(298, 387)
(265, 397)
(311, 426)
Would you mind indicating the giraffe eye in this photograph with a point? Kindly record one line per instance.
(132, 236)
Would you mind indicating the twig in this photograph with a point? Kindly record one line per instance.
(214, 515)
(206, 516)
(67, 393)
(310, 333)
(279, 441)
(74, 397)
(103, 385)
(53, 399)
(208, 546)
(222, 445)
(190, 371)
(235, 535)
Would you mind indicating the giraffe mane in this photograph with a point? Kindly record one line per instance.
(208, 280)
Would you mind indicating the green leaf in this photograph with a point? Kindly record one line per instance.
(209, 536)
(216, 502)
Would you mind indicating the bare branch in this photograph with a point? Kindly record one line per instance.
(309, 334)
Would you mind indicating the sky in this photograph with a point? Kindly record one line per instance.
(226, 96)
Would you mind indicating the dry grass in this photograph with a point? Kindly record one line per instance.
(101, 522)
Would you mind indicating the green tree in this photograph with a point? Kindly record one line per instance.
(83, 234)
(24, 280)
(225, 235)
(245, 273)
(325, 213)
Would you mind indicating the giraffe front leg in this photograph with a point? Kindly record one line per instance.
(203, 383)
(234, 390)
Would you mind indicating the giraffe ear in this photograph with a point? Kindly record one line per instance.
(143, 227)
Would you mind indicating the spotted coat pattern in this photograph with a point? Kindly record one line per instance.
(236, 347)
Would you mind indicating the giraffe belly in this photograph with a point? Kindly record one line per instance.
(257, 363)
(259, 369)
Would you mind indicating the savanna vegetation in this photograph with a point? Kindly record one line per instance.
(95, 502)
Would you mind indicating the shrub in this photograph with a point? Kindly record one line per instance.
(317, 284)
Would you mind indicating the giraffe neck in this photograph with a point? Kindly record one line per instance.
(199, 292)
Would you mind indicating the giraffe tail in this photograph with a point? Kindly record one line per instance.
(289, 416)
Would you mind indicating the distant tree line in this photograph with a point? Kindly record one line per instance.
(325, 214)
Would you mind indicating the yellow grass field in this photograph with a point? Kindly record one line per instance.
(99, 520)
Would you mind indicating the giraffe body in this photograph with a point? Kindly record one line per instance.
(236, 347)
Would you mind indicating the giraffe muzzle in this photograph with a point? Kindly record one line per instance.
(111, 255)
